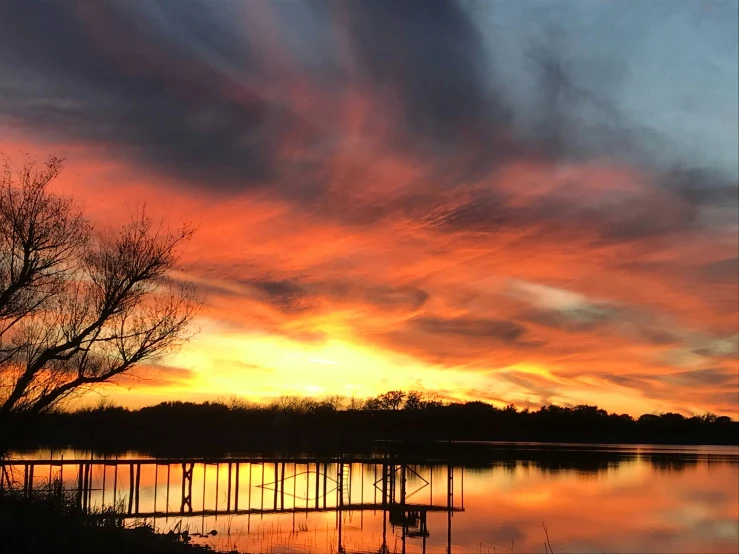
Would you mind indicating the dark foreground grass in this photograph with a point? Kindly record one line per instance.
(50, 522)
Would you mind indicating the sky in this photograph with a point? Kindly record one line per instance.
(518, 202)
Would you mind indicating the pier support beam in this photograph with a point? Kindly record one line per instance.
(186, 505)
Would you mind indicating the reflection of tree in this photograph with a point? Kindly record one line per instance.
(665, 462)
(556, 460)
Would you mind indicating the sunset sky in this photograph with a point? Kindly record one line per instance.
(519, 202)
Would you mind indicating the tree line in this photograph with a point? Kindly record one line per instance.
(291, 422)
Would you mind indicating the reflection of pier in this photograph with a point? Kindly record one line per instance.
(403, 492)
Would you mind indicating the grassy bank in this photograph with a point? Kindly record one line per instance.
(50, 522)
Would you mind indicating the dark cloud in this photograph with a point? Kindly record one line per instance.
(722, 271)
(209, 96)
(403, 298)
(411, 297)
(564, 213)
(701, 377)
(300, 294)
(728, 400)
(508, 332)
(426, 57)
(201, 94)
(703, 383)
(659, 336)
(486, 212)
(457, 340)
(561, 127)
(99, 71)
(287, 295)
(630, 381)
(702, 187)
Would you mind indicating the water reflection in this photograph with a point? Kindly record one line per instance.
(614, 498)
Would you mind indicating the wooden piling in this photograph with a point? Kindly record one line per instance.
(138, 486)
(131, 483)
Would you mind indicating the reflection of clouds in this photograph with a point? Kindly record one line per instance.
(631, 507)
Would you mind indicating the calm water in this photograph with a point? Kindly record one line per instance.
(592, 499)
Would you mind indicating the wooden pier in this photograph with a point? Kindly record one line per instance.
(186, 487)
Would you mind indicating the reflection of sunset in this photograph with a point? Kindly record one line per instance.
(691, 507)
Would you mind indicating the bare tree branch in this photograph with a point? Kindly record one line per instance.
(79, 306)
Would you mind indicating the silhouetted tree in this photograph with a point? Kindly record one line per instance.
(432, 401)
(79, 306)
(392, 400)
(372, 404)
(333, 402)
(171, 425)
(414, 400)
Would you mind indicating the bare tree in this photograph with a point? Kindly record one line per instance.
(392, 399)
(414, 400)
(333, 402)
(79, 306)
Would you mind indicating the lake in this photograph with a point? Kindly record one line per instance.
(591, 498)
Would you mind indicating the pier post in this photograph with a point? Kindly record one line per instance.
(277, 478)
(218, 474)
(25, 480)
(187, 469)
(79, 486)
(339, 487)
(138, 486)
(115, 484)
(86, 488)
(205, 480)
(131, 484)
(449, 505)
(385, 475)
(228, 492)
(156, 476)
(402, 484)
(248, 495)
(282, 487)
(325, 477)
(236, 491)
(89, 486)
